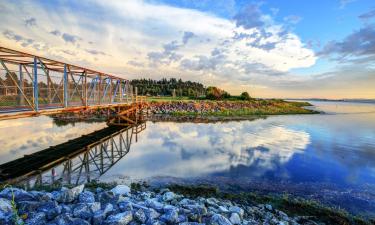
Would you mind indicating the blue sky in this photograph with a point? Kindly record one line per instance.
(271, 48)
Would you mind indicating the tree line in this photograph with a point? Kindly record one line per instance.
(174, 87)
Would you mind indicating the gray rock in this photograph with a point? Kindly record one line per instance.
(86, 197)
(125, 206)
(18, 194)
(82, 211)
(69, 195)
(5, 206)
(108, 208)
(121, 190)
(168, 196)
(236, 209)
(171, 216)
(235, 218)
(36, 219)
(51, 209)
(65, 208)
(212, 202)
(153, 203)
(106, 197)
(140, 216)
(197, 209)
(27, 206)
(98, 217)
(223, 209)
(119, 219)
(190, 223)
(268, 207)
(151, 213)
(218, 219)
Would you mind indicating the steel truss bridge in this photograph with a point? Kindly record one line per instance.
(33, 85)
(74, 162)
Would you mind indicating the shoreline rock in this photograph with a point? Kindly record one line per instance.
(120, 207)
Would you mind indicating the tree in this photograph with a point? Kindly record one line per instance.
(245, 96)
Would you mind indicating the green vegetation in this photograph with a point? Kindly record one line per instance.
(169, 87)
(286, 203)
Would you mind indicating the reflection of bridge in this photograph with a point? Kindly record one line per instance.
(73, 162)
(33, 85)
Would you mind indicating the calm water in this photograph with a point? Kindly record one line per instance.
(329, 156)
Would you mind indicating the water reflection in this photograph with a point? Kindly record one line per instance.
(74, 162)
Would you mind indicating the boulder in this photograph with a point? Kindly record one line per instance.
(119, 219)
(236, 209)
(218, 219)
(235, 218)
(153, 203)
(36, 219)
(69, 195)
(17, 194)
(5, 206)
(140, 216)
(121, 190)
(168, 196)
(86, 197)
(171, 216)
(51, 209)
(82, 211)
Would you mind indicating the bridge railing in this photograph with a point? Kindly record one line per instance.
(32, 83)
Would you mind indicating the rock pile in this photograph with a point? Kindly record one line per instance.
(119, 206)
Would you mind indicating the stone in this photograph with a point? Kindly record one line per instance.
(235, 218)
(36, 219)
(140, 216)
(125, 206)
(268, 207)
(121, 190)
(5, 206)
(106, 197)
(153, 203)
(190, 223)
(151, 213)
(218, 219)
(18, 194)
(69, 195)
(197, 209)
(82, 211)
(86, 197)
(119, 219)
(212, 202)
(51, 209)
(27, 206)
(98, 217)
(223, 209)
(171, 216)
(108, 208)
(238, 210)
(168, 196)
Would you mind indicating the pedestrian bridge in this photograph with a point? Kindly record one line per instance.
(32, 85)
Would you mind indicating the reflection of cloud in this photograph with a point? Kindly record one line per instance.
(27, 135)
(201, 149)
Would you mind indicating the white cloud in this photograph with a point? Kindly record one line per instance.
(134, 32)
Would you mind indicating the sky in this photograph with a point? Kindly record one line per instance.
(270, 48)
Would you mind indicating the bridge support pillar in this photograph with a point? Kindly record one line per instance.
(65, 86)
(36, 91)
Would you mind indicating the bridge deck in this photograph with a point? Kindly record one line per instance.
(52, 156)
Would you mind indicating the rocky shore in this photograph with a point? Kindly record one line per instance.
(121, 205)
(229, 108)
